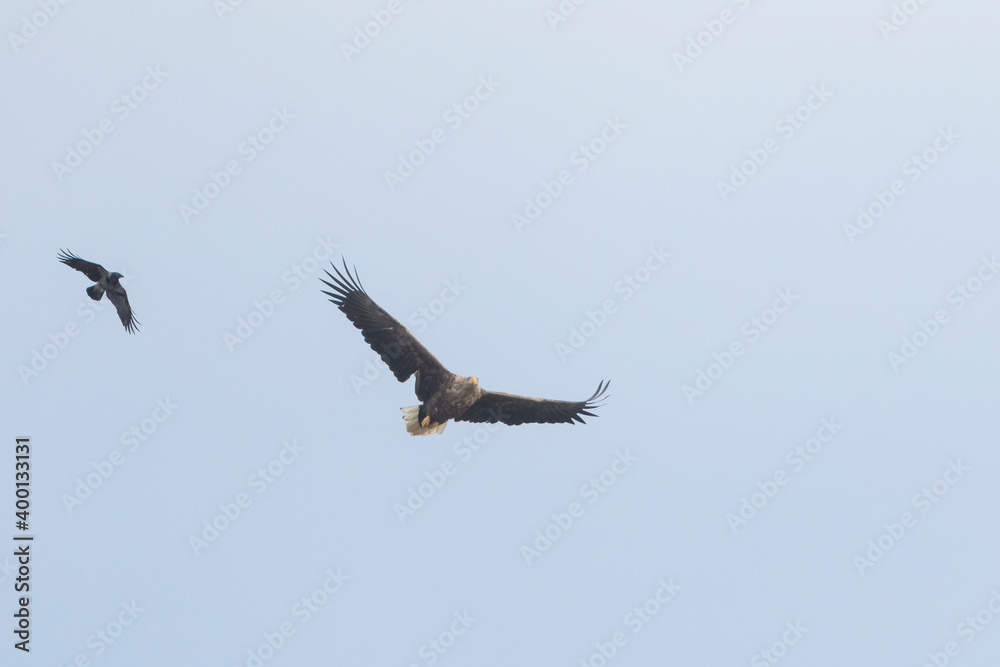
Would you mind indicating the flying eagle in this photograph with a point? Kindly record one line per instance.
(444, 395)
(106, 282)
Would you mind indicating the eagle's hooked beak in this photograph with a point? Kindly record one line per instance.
(475, 380)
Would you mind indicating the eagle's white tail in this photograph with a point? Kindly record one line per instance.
(411, 416)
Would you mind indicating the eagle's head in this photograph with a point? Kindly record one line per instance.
(470, 386)
(113, 278)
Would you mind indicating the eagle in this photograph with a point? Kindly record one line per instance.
(106, 282)
(444, 396)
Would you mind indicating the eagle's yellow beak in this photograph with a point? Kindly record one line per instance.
(475, 380)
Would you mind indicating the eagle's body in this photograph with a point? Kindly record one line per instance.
(105, 282)
(453, 399)
(444, 395)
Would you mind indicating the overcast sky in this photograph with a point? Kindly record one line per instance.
(772, 225)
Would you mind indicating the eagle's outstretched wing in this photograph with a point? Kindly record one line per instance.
(120, 299)
(494, 406)
(93, 271)
(402, 353)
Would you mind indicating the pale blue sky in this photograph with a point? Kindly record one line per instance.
(696, 168)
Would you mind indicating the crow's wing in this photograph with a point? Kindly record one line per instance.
(494, 406)
(120, 299)
(402, 353)
(93, 271)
